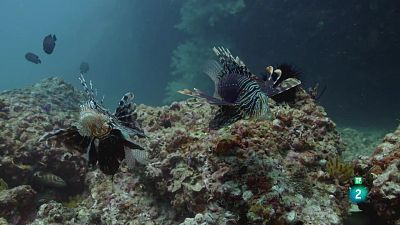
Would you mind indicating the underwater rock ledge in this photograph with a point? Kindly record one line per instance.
(382, 171)
(252, 172)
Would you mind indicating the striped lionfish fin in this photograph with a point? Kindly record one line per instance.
(125, 107)
(213, 69)
(134, 156)
(68, 137)
(199, 94)
(229, 63)
(91, 94)
(125, 112)
(225, 115)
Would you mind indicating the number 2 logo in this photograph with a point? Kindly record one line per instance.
(358, 194)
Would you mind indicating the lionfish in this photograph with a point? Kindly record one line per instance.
(104, 136)
(239, 93)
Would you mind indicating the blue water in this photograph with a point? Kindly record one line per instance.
(349, 46)
(119, 39)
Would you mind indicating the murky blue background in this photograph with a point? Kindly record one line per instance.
(349, 46)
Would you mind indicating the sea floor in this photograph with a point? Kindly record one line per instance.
(287, 170)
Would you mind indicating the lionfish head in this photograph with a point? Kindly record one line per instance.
(93, 123)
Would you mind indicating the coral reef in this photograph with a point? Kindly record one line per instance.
(3, 185)
(17, 204)
(251, 172)
(340, 170)
(22, 123)
(382, 171)
(359, 142)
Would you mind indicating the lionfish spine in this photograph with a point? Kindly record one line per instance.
(89, 91)
(230, 63)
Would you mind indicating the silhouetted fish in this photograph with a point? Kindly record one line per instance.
(49, 42)
(32, 58)
(84, 68)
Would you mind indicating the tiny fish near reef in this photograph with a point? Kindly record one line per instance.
(104, 136)
(49, 179)
(238, 93)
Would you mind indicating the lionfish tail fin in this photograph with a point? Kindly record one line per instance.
(199, 94)
(229, 63)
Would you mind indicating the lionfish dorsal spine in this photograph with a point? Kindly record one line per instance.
(231, 64)
(88, 90)
(213, 70)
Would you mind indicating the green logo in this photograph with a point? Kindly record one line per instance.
(357, 180)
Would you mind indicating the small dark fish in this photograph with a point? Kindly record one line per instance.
(84, 68)
(49, 179)
(49, 42)
(46, 107)
(31, 57)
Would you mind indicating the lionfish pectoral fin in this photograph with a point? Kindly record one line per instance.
(134, 156)
(284, 86)
(225, 115)
(125, 112)
(51, 134)
(86, 155)
(199, 94)
(132, 145)
(69, 137)
(124, 106)
(110, 151)
(91, 153)
(213, 69)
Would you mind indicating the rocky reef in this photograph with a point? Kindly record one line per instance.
(360, 142)
(383, 172)
(25, 114)
(252, 172)
(17, 204)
